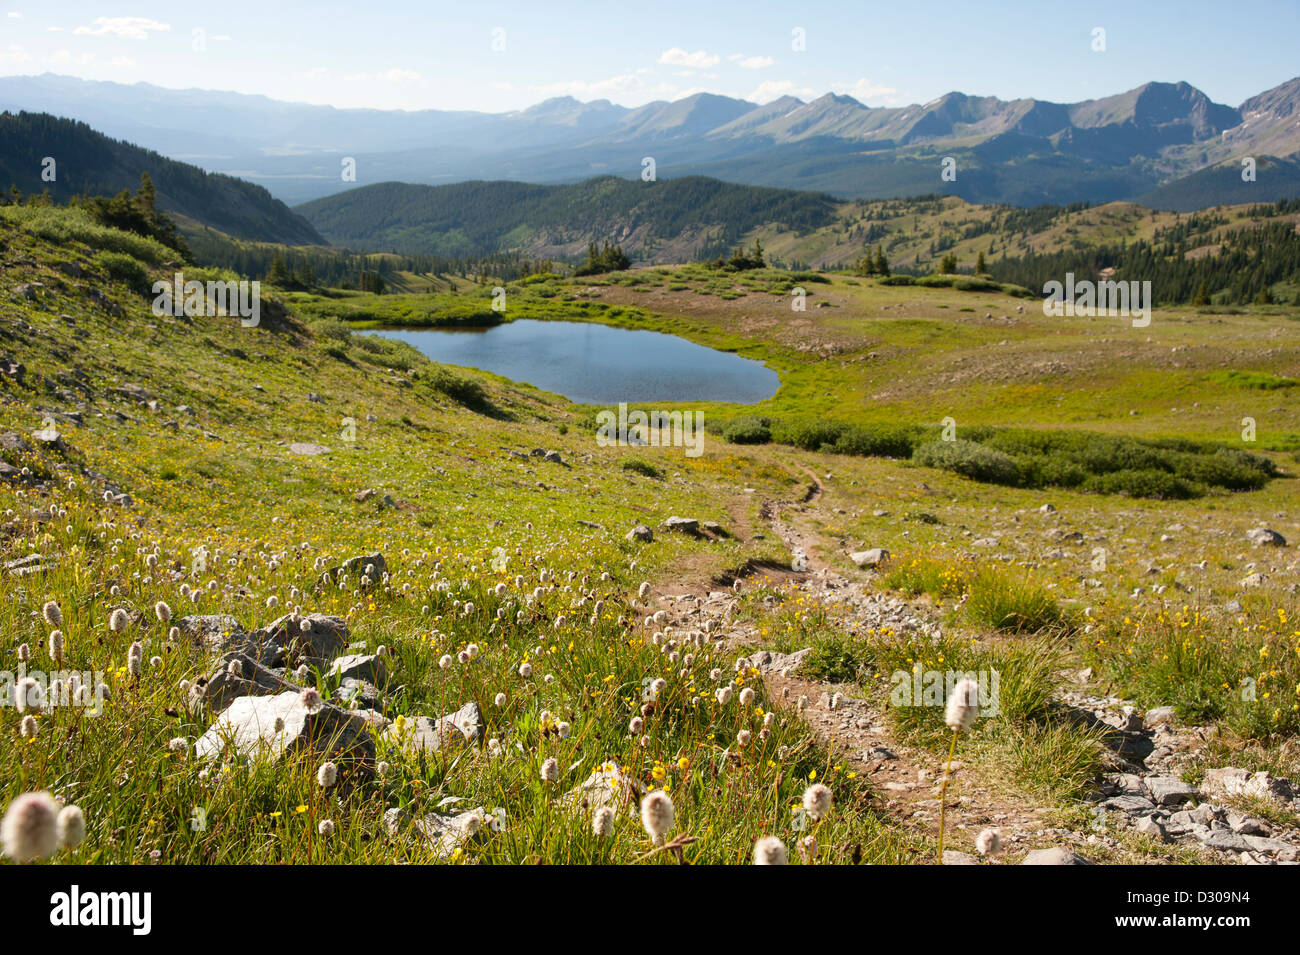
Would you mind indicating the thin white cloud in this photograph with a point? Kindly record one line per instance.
(864, 90)
(14, 15)
(122, 63)
(129, 28)
(388, 76)
(67, 58)
(769, 90)
(627, 88)
(14, 54)
(751, 62)
(699, 60)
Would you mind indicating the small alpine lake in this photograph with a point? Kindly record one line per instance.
(597, 364)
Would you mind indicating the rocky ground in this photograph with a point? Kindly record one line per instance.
(1142, 810)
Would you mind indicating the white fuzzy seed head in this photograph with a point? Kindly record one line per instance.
(770, 851)
(657, 815)
(602, 822)
(52, 614)
(327, 775)
(29, 829)
(71, 827)
(963, 705)
(817, 801)
(989, 842)
(117, 620)
(550, 770)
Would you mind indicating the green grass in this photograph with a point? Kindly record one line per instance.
(469, 519)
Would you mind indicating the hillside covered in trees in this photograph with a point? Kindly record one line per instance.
(708, 216)
(43, 153)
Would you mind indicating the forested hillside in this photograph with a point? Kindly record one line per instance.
(43, 153)
(481, 217)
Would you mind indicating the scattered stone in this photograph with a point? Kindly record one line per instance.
(870, 558)
(425, 734)
(220, 687)
(686, 525)
(1054, 856)
(641, 533)
(1150, 826)
(359, 666)
(308, 448)
(1265, 537)
(781, 663)
(1129, 802)
(247, 727)
(1224, 839)
(1232, 782)
(606, 786)
(284, 642)
(1169, 790)
(953, 857)
(444, 833)
(1160, 714)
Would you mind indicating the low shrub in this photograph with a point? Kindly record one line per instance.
(973, 460)
(747, 430)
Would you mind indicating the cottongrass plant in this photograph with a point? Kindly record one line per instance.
(30, 828)
(657, 815)
(962, 708)
(770, 851)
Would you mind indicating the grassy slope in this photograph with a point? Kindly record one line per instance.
(222, 477)
(462, 495)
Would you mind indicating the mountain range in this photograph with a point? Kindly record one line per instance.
(1145, 142)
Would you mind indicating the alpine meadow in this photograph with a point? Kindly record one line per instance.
(542, 435)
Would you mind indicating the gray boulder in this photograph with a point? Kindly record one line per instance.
(221, 687)
(359, 666)
(873, 557)
(1265, 537)
(1169, 790)
(425, 734)
(248, 728)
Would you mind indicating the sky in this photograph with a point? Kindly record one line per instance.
(417, 54)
